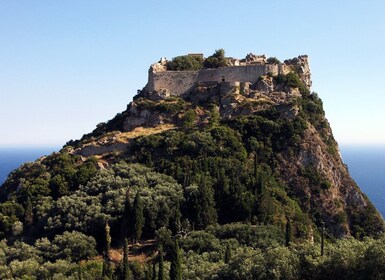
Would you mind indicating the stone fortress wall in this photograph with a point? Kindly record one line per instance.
(180, 82)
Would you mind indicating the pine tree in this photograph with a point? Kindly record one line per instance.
(126, 267)
(176, 263)
(138, 217)
(161, 268)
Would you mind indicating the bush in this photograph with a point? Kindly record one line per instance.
(185, 63)
(273, 60)
(291, 79)
(216, 60)
(75, 246)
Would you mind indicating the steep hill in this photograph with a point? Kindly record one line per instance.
(259, 152)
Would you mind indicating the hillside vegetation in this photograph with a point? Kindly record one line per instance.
(213, 193)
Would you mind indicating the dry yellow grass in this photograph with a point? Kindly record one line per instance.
(124, 137)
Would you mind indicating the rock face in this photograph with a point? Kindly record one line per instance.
(300, 64)
(338, 192)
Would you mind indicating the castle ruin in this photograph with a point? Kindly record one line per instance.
(248, 70)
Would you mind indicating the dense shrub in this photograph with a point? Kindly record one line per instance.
(185, 62)
(216, 60)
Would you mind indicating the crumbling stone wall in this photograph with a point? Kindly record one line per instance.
(181, 82)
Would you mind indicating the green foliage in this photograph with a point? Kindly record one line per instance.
(215, 117)
(161, 275)
(189, 119)
(200, 242)
(228, 254)
(107, 241)
(288, 233)
(10, 214)
(176, 263)
(127, 217)
(291, 79)
(74, 246)
(138, 217)
(126, 267)
(273, 60)
(170, 105)
(216, 60)
(185, 62)
(200, 201)
(216, 188)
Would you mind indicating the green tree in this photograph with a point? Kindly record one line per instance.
(28, 212)
(107, 270)
(138, 217)
(74, 246)
(216, 60)
(228, 253)
(126, 217)
(189, 119)
(177, 225)
(59, 186)
(161, 265)
(185, 62)
(206, 211)
(215, 117)
(288, 233)
(126, 266)
(153, 271)
(176, 263)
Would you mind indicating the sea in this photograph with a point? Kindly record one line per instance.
(11, 158)
(366, 165)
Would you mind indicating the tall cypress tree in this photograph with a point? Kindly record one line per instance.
(176, 263)
(126, 227)
(161, 268)
(107, 270)
(206, 211)
(28, 214)
(138, 217)
(153, 271)
(288, 232)
(126, 267)
(177, 225)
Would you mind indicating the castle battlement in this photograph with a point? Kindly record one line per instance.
(249, 70)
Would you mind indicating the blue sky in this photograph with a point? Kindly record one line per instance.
(65, 66)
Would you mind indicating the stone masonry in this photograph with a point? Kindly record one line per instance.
(177, 83)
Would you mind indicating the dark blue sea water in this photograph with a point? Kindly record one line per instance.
(366, 165)
(11, 158)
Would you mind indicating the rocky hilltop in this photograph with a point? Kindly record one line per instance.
(312, 169)
(207, 143)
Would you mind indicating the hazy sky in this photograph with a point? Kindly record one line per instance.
(67, 65)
